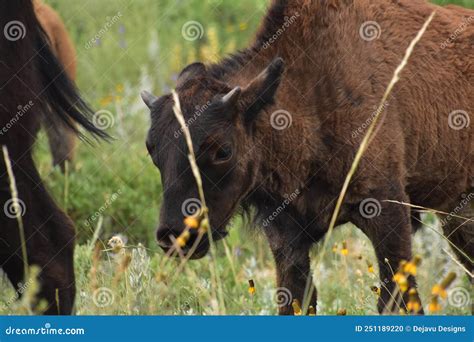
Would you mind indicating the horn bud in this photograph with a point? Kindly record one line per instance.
(148, 98)
(231, 97)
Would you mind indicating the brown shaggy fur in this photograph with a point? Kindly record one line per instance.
(62, 140)
(332, 83)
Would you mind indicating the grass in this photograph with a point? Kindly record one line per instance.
(116, 189)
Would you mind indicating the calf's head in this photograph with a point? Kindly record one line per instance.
(220, 118)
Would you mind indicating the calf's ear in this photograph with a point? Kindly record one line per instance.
(260, 92)
(191, 71)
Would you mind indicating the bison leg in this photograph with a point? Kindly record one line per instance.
(52, 249)
(461, 233)
(62, 143)
(390, 231)
(49, 239)
(294, 279)
(57, 283)
(56, 278)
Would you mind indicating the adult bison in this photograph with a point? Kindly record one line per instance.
(32, 84)
(287, 115)
(62, 139)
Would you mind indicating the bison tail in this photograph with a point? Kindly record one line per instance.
(59, 95)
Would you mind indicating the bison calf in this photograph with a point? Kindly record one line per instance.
(281, 137)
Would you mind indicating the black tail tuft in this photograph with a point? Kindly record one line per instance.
(59, 94)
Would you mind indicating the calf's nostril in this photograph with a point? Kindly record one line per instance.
(163, 236)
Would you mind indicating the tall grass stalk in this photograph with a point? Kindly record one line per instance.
(17, 208)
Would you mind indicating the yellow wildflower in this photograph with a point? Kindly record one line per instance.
(105, 101)
(437, 290)
(251, 287)
(296, 307)
(183, 238)
(191, 222)
(344, 250)
(376, 290)
(434, 305)
(401, 280)
(410, 267)
(341, 312)
(311, 311)
(119, 88)
(440, 289)
(413, 304)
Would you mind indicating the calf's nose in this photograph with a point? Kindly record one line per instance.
(167, 234)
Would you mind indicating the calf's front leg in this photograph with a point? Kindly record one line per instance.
(294, 279)
(389, 230)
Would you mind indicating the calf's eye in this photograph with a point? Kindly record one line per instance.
(224, 153)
